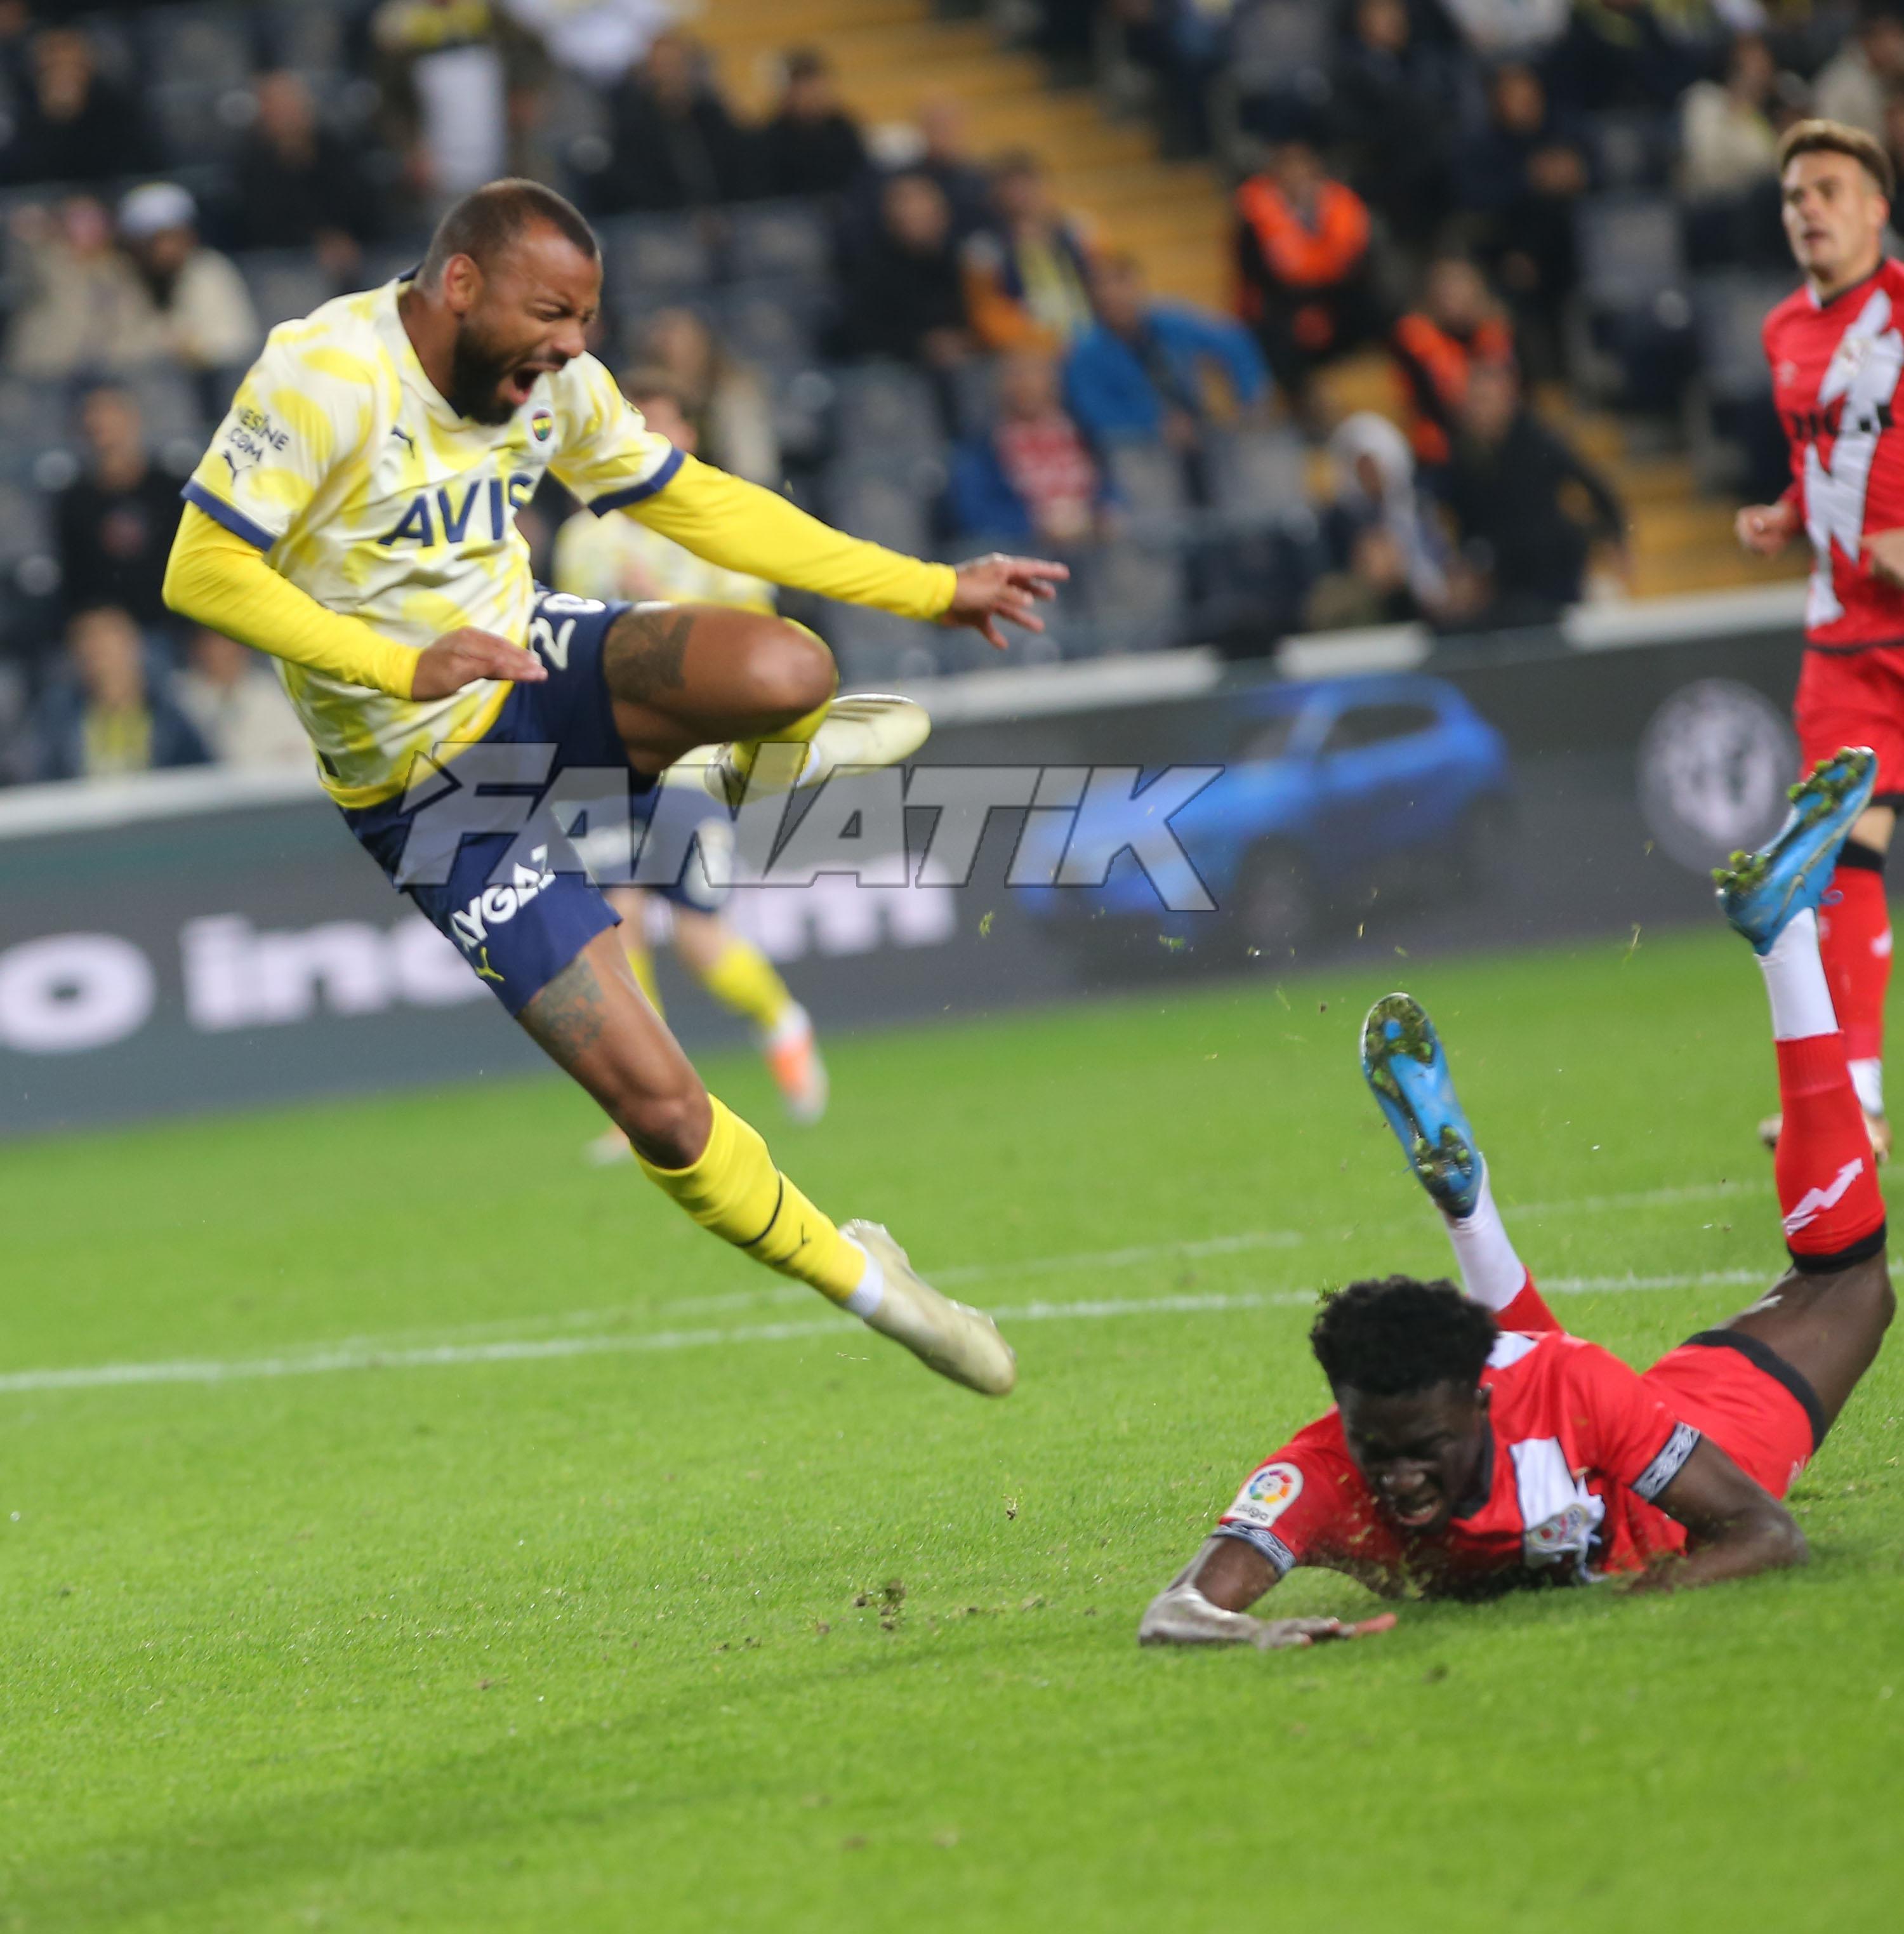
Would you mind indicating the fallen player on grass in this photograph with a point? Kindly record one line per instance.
(1474, 1446)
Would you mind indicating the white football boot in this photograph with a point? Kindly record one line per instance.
(862, 728)
(952, 1337)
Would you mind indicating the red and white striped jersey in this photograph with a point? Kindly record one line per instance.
(1579, 1446)
(1836, 367)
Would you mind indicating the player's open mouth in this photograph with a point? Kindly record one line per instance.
(520, 382)
(1419, 1511)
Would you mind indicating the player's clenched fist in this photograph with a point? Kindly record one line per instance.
(462, 657)
(1765, 529)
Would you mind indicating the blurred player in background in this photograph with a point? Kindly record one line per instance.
(355, 516)
(1474, 1446)
(1836, 352)
(615, 558)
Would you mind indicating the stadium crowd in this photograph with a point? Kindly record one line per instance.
(920, 341)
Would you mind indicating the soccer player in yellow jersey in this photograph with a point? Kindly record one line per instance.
(354, 517)
(610, 559)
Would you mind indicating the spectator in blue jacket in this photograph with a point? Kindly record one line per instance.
(1140, 371)
(106, 716)
(1032, 477)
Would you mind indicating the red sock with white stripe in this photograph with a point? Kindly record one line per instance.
(1855, 942)
(1491, 1274)
(1827, 1182)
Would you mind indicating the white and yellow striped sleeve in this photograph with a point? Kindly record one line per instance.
(610, 459)
(302, 410)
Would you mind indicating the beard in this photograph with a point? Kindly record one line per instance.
(477, 369)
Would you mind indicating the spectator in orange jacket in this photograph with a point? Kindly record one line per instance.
(1458, 324)
(1028, 273)
(1302, 253)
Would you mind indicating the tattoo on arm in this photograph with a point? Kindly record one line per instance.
(642, 657)
(566, 1018)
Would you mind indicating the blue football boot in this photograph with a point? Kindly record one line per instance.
(1407, 1072)
(1760, 893)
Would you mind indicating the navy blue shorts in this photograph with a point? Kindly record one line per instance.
(486, 843)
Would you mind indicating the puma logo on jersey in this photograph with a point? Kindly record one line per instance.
(1815, 1202)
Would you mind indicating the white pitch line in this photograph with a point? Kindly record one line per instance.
(387, 1346)
(319, 1363)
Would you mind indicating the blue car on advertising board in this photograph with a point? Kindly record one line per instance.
(1330, 790)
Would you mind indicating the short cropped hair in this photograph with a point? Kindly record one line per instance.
(1393, 1336)
(1835, 137)
(489, 218)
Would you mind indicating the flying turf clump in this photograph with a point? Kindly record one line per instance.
(1811, 799)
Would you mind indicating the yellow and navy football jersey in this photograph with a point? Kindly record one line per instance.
(341, 462)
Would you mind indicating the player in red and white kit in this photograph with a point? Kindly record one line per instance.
(1474, 1446)
(1836, 351)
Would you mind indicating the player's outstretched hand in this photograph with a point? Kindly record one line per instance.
(1765, 529)
(460, 658)
(1884, 553)
(1278, 1634)
(997, 587)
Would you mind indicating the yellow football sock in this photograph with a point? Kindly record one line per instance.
(641, 965)
(735, 1190)
(741, 978)
(800, 732)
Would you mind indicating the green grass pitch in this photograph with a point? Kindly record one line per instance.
(627, 1588)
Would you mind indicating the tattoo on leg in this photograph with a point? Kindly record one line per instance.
(566, 1018)
(642, 657)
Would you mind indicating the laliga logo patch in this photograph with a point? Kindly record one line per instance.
(1267, 1495)
(542, 425)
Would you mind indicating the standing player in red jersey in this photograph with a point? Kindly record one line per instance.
(1836, 353)
(1474, 1446)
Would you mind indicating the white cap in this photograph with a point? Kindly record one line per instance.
(154, 207)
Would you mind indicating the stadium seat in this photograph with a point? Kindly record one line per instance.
(1631, 328)
(779, 238)
(1278, 75)
(868, 500)
(307, 35)
(1736, 438)
(169, 402)
(35, 424)
(1147, 479)
(1133, 596)
(776, 324)
(1634, 148)
(26, 525)
(1630, 252)
(1729, 310)
(1258, 478)
(874, 648)
(648, 260)
(284, 283)
(195, 74)
(975, 394)
(884, 414)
